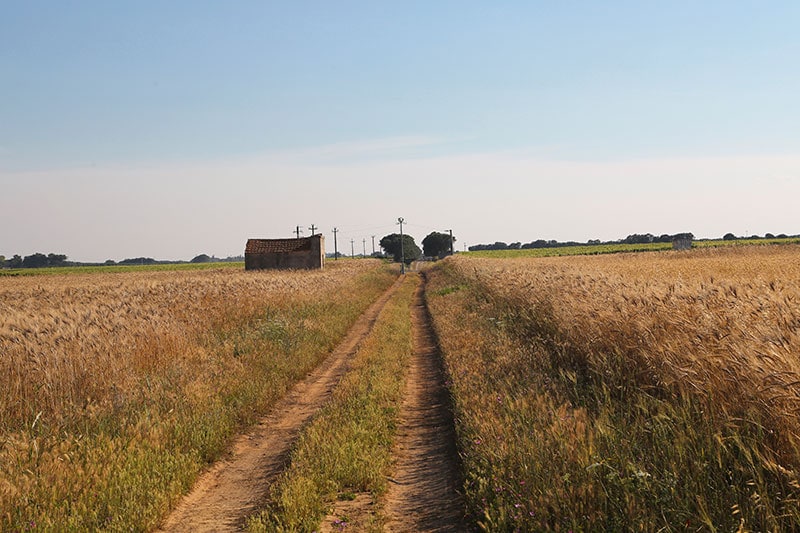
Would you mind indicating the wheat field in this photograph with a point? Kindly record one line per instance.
(115, 389)
(632, 391)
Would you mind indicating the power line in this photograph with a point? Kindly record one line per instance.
(364, 229)
(426, 228)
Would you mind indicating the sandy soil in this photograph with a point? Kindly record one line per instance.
(238, 486)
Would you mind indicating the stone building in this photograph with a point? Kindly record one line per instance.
(682, 242)
(302, 253)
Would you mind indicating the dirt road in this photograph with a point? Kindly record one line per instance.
(238, 486)
(423, 494)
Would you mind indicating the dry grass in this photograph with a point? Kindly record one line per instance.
(116, 388)
(636, 391)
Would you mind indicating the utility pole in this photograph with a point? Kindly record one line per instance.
(335, 246)
(373, 245)
(298, 231)
(451, 241)
(402, 251)
(312, 228)
(352, 252)
(364, 247)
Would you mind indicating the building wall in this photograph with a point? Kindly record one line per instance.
(304, 259)
(682, 244)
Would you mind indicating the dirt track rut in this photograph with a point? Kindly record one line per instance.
(423, 493)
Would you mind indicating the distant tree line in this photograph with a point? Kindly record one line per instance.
(635, 238)
(37, 260)
(732, 237)
(40, 260)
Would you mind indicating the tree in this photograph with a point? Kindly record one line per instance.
(15, 262)
(437, 244)
(391, 243)
(138, 261)
(36, 260)
(499, 245)
(202, 258)
(56, 259)
(729, 237)
(538, 243)
(638, 238)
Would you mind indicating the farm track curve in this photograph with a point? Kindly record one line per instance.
(238, 485)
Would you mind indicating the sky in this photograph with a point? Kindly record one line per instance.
(171, 129)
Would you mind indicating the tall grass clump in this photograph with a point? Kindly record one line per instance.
(635, 391)
(346, 450)
(117, 389)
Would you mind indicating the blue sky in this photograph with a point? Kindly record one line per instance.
(169, 129)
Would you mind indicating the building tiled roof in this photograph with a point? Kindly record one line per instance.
(277, 246)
